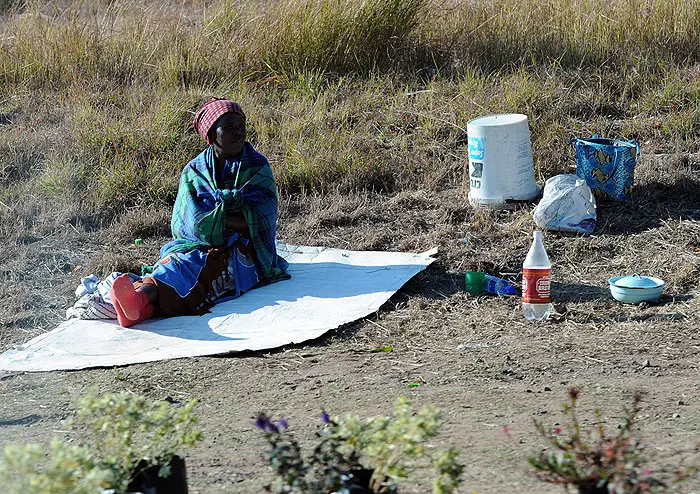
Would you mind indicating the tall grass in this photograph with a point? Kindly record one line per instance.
(350, 94)
(332, 35)
(570, 33)
(180, 45)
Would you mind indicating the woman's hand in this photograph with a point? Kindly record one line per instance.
(235, 222)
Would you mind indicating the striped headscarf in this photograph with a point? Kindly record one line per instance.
(207, 116)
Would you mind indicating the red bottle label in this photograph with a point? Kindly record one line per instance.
(536, 286)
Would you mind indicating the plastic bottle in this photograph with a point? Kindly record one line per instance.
(536, 281)
(478, 282)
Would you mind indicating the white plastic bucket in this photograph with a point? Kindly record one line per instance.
(500, 160)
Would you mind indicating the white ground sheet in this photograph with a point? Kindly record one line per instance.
(328, 288)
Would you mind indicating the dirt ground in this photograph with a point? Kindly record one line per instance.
(516, 372)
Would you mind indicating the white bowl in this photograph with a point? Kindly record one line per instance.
(636, 289)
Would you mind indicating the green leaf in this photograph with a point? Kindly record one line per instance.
(383, 349)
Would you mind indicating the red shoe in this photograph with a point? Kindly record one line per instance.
(132, 306)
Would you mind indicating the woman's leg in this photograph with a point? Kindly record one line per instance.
(185, 282)
(201, 277)
(151, 292)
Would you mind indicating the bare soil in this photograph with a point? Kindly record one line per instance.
(515, 372)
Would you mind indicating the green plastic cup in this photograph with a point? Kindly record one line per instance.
(474, 282)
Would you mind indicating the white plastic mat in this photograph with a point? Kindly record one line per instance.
(328, 288)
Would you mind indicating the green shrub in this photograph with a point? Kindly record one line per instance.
(599, 460)
(125, 432)
(389, 448)
(67, 469)
(125, 429)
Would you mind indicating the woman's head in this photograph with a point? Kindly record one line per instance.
(221, 122)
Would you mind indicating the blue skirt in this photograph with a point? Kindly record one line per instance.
(192, 282)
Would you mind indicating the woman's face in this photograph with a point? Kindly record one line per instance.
(229, 134)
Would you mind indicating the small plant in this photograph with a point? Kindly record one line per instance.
(128, 431)
(27, 469)
(284, 455)
(596, 461)
(129, 434)
(357, 455)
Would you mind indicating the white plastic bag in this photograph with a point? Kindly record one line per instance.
(567, 205)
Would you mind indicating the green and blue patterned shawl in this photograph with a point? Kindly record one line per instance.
(199, 215)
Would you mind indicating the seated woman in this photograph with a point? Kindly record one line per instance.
(224, 225)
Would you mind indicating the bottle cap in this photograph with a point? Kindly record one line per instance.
(474, 282)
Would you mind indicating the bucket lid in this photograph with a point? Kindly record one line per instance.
(636, 281)
(497, 120)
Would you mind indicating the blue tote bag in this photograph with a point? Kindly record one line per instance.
(607, 166)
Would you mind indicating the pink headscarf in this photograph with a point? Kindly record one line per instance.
(207, 116)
